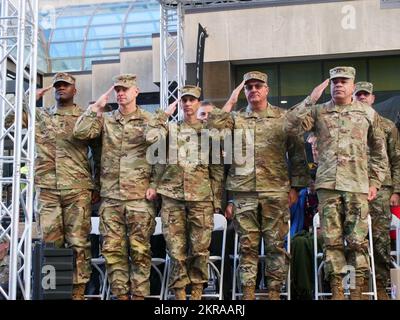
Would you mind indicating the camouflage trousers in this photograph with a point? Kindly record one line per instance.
(127, 227)
(381, 217)
(65, 218)
(344, 217)
(187, 228)
(262, 216)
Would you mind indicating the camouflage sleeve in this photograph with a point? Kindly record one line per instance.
(9, 120)
(219, 119)
(378, 155)
(299, 174)
(88, 126)
(157, 127)
(157, 171)
(393, 150)
(216, 172)
(300, 118)
(95, 147)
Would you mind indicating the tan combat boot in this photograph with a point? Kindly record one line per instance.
(197, 291)
(180, 293)
(381, 290)
(337, 288)
(123, 297)
(135, 297)
(249, 292)
(78, 291)
(356, 293)
(274, 295)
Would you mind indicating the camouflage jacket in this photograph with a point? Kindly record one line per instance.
(186, 174)
(267, 168)
(343, 134)
(61, 160)
(392, 177)
(125, 173)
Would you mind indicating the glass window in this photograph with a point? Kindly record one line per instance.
(100, 47)
(141, 28)
(108, 18)
(66, 64)
(89, 60)
(104, 31)
(385, 73)
(137, 42)
(297, 80)
(72, 21)
(68, 34)
(67, 49)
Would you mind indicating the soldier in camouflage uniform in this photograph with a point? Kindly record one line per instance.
(387, 196)
(343, 128)
(189, 196)
(127, 215)
(260, 186)
(63, 178)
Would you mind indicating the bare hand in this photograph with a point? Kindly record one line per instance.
(229, 211)
(151, 194)
(233, 99)
(100, 104)
(318, 90)
(372, 193)
(171, 108)
(395, 200)
(293, 196)
(42, 91)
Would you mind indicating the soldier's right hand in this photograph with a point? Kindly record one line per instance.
(233, 99)
(171, 108)
(318, 90)
(42, 91)
(229, 211)
(100, 104)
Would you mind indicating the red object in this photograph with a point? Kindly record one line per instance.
(392, 234)
(396, 211)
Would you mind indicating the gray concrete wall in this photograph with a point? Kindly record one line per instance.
(101, 80)
(295, 30)
(139, 62)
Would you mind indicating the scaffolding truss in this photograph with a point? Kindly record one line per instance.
(18, 48)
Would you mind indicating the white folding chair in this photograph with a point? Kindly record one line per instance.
(216, 276)
(99, 264)
(236, 287)
(318, 267)
(157, 263)
(395, 254)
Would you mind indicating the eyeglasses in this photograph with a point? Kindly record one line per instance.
(257, 86)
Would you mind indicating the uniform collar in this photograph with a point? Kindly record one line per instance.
(133, 116)
(72, 110)
(270, 112)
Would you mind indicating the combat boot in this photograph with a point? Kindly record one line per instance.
(180, 293)
(274, 295)
(356, 293)
(135, 297)
(78, 291)
(381, 290)
(123, 297)
(337, 288)
(249, 292)
(197, 291)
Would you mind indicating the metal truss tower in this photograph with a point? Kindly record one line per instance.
(18, 48)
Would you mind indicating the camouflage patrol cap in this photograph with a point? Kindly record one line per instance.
(342, 72)
(126, 80)
(63, 77)
(364, 86)
(189, 90)
(255, 75)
